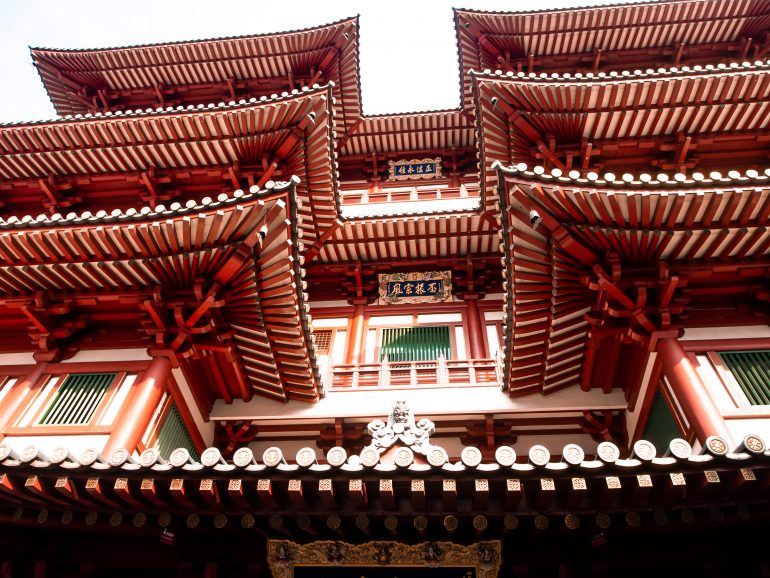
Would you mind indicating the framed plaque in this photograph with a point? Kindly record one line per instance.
(414, 169)
(333, 559)
(428, 287)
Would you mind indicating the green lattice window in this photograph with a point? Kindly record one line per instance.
(751, 369)
(77, 399)
(661, 425)
(173, 434)
(415, 343)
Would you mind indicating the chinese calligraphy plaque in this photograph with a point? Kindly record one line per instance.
(414, 169)
(429, 287)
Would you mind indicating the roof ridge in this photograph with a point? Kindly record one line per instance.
(147, 213)
(411, 112)
(714, 180)
(583, 7)
(38, 49)
(169, 110)
(685, 71)
(606, 456)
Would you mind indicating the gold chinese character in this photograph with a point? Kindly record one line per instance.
(420, 290)
(408, 288)
(419, 169)
(396, 289)
(432, 287)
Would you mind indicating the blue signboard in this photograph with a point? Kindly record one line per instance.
(415, 169)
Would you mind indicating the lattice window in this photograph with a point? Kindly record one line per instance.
(323, 341)
(661, 425)
(173, 434)
(751, 369)
(77, 399)
(416, 343)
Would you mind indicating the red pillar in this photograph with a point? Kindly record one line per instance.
(475, 327)
(139, 407)
(20, 394)
(690, 392)
(356, 337)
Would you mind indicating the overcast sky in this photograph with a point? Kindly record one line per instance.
(408, 53)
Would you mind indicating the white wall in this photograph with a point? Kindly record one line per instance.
(428, 402)
(76, 444)
(100, 355)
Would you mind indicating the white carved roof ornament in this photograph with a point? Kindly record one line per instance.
(401, 429)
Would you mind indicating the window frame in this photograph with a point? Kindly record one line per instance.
(100, 409)
(61, 370)
(711, 348)
(391, 310)
(150, 437)
(672, 408)
(450, 328)
(373, 310)
(92, 427)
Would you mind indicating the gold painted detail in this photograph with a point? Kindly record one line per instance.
(284, 555)
(420, 287)
(414, 169)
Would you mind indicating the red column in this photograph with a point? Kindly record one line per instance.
(475, 327)
(20, 394)
(139, 407)
(700, 410)
(356, 337)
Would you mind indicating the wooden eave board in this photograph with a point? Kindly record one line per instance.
(453, 235)
(410, 132)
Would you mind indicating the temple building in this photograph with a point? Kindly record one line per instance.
(248, 330)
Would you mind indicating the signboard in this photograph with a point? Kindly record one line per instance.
(383, 559)
(414, 169)
(429, 287)
(334, 571)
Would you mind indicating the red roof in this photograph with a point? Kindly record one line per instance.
(207, 70)
(628, 35)
(712, 236)
(241, 253)
(413, 131)
(429, 236)
(625, 119)
(243, 134)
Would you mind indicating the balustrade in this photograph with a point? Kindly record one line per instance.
(438, 373)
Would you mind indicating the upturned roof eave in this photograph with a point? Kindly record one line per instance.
(41, 55)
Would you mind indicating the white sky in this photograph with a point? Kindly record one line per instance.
(408, 52)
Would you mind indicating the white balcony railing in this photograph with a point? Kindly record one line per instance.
(405, 374)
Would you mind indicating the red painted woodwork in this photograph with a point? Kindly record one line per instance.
(699, 345)
(596, 39)
(599, 274)
(690, 391)
(19, 395)
(139, 407)
(356, 337)
(216, 70)
(475, 327)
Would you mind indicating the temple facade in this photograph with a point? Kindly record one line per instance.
(248, 330)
